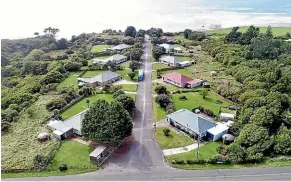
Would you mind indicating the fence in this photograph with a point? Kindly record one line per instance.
(72, 103)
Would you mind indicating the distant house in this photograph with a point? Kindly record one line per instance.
(120, 47)
(67, 128)
(170, 61)
(190, 122)
(117, 58)
(167, 39)
(104, 78)
(185, 63)
(180, 80)
(178, 50)
(169, 48)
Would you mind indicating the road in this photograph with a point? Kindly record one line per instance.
(144, 159)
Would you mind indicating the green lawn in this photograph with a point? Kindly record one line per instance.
(159, 113)
(129, 87)
(71, 79)
(183, 58)
(277, 31)
(157, 65)
(89, 74)
(154, 75)
(205, 152)
(181, 38)
(182, 47)
(99, 48)
(194, 99)
(124, 75)
(73, 154)
(173, 140)
(82, 105)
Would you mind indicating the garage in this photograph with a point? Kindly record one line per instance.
(216, 132)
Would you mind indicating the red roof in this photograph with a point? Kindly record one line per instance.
(177, 77)
(167, 38)
(194, 81)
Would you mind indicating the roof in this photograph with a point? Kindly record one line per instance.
(184, 62)
(219, 128)
(76, 120)
(121, 46)
(59, 125)
(167, 46)
(58, 132)
(195, 81)
(167, 38)
(177, 77)
(228, 137)
(228, 115)
(103, 77)
(170, 59)
(178, 49)
(115, 57)
(98, 150)
(192, 121)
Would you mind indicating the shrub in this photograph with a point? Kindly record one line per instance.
(194, 136)
(219, 159)
(63, 167)
(160, 89)
(182, 97)
(40, 162)
(117, 93)
(84, 62)
(56, 104)
(166, 131)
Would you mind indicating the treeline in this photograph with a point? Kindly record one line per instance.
(262, 64)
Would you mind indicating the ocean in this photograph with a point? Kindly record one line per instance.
(21, 19)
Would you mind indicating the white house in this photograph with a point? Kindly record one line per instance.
(217, 132)
(178, 50)
(185, 63)
(102, 79)
(117, 58)
(170, 61)
(169, 48)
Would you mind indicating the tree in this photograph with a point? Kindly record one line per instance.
(134, 65)
(140, 33)
(197, 36)
(186, 33)
(158, 51)
(73, 66)
(203, 93)
(130, 31)
(131, 75)
(34, 55)
(283, 141)
(36, 33)
(62, 43)
(166, 131)
(163, 100)
(135, 54)
(4, 60)
(51, 32)
(252, 32)
(233, 36)
(117, 93)
(84, 62)
(269, 32)
(236, 153)
(108, 123)
(88, 102)
(56, 113)
(127, 102)
(262, 117)
(160, 89)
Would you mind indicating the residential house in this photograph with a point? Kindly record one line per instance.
(167, 39)
(217, 132)
(117, 58)
(169, 48)
(190, 122)
(185, 63)
(170, 61)
(102, 79)
(120, 47)
(178, 50)
(180, 80)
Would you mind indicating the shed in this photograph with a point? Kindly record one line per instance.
(226, 117)
(185, 63)
(206, 84)
(227, 138)
(42, 137)
(213, 73)
(216, 132)
(60, 130)
(97, 154)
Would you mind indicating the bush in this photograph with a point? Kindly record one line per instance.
(40, 162)
(182, 97)
(117, 93)
(84, 62)
(63, 167)
(208, 112)
(56, 104)
(166, 131)
(219, 159)
(160, 89)
(194, 136)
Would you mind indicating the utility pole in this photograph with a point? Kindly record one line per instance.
(197, 152)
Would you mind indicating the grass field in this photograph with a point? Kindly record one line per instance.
(124, 75)
(182, 47)
(129, 87)
(181, 38)
(183, 58)
(277, 31)
(19, 144)
(73, 154)
(173, 140)
(159, 113)
(71, 79)
(99, 48)
(194, 99)
(157, 65)
(205, 152)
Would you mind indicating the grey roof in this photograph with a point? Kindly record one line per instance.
(121, 47)
(192, 121)
(115, 57)
(97, 151)
(167, 46)
(103, 77)
(170, 59)
(228, 137)
(76, 121)
(59, 125)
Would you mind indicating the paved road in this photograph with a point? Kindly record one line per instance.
(144, 159)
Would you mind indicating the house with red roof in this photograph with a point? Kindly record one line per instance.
(180, 80)
(167, 39)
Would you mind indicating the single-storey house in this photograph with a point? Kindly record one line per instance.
(60, 130)
(227, 117)
(185, 63)
(97, 154)
(190, 122)
(217, 132)
(76, 122)
(170, 61)
(117, 58)
(120, 47)
(178, 50)
(102, 79)
(169, 48)
(180, 80)
(167, 39)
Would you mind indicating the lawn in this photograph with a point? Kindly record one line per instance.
(19, 144)
(71, 79)
(82, 105)
(205, 152)
(74, 154)
(277, 31)
(157, 65)
(194, 99)
(129, 87)
(90, 74)
(182, 47)
(154, 75)
(99, 48)
(173, 140)
(124, 75)
(183, 58)
(181, 38)
(159, 112)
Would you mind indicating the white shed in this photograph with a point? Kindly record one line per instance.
(185, 63)
(97, 154)
(216, 132)
(213, 73)
(226, 117)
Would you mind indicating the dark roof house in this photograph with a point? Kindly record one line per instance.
(101, 79)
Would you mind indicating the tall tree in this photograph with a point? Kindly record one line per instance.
(62, 43)
(130, 31)
(187, 32)
(252, 32)
(269, 32)
(134, 65)
(127, 102)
